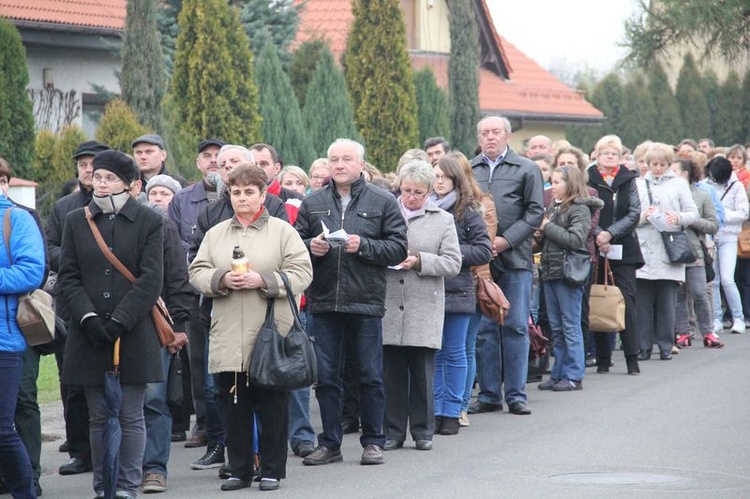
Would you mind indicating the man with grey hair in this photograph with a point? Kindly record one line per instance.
(538, 145)
(347, 295)
(515, 184)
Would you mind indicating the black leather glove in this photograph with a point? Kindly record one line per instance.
(113, 330)
(93, 326)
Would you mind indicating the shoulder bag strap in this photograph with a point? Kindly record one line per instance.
(727, 191)
(105, 250)
(116, 263)
(7, 227)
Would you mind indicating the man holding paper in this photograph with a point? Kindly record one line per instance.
(365, 234)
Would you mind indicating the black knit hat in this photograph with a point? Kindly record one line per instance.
(89, 148)
(118, 163)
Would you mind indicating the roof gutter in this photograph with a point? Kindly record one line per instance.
(67, 28)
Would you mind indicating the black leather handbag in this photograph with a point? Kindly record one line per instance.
(576, 267)
(283, 363)
(175, 392)
(678, 246)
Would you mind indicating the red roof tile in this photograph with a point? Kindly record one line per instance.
(107, 14)
(327, 19)
(530, 91)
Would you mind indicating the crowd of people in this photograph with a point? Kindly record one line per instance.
(384, 269)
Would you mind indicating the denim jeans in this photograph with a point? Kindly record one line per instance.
(215, 411)
(503, 351)
(300, 428)
(158, 423)
(471, 357)
(28, 417)
(367, 334)
(564, 314)
(695, 285)
(450, 366)
(14, 461)
(724, 265)
(133, 443)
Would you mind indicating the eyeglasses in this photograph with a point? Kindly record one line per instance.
(440, 178)
(319, 177)
(109, 179)
(414, 194)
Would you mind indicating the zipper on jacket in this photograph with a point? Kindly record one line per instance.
(7, 318)
(338, 265)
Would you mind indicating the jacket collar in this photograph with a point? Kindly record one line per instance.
(129, 211)
(624, 175)
(198, 193)
(356, 187)
(257, 224)
(511, 158)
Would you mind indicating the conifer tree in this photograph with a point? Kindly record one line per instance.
(691, 101)
(67, 141)
(432, 106)
(169, 29)
(711, 88)
(668, 120)
(608, 98)
(142, 80)
(273, 22)
(728, 129)
(637, 114)
(304, 65)
(119, 127)
(282, 120)
(213, 91)
(327, 113)
(463, 75)
(44, 148)
(16, 118)
(380, 81)
(745, 107)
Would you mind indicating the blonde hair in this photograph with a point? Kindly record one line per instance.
(609, 141)
(660, 152)
(295, 171)
(640, 150)
(319, 163)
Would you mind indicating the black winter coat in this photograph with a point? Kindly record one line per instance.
(621, 212)
(353, 282)
(460, 291)
(55, 222)
(87, 282)
(177, 292)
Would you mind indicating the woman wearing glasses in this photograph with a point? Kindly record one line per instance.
(413, 322)
(453, 193)
(618, 219)
(105, 306)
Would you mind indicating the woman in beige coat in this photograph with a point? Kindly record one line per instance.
(414, 302)
(239, 308)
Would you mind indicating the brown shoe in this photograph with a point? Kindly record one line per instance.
(372, 454)
(154, 483)
(323, 455)
(196, 441)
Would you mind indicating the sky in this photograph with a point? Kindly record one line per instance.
(565, 33)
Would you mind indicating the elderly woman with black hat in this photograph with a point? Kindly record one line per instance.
(105, 306)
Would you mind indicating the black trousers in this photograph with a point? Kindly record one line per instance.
(272, 410)
(409, 380)
(625, 280)
(76, 414)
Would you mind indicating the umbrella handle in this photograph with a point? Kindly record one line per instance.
(116, 357)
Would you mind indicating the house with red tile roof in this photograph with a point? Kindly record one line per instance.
(67, 54)
(510, 83)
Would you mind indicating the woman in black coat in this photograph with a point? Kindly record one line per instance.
(618, 219)
(105, 306)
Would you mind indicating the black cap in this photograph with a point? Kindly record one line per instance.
(150, 138)
(210, 142)
(118, 163)
(89, 148)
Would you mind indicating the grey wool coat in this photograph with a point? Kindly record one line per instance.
(415, 300)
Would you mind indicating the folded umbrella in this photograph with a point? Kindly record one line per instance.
(112, 430)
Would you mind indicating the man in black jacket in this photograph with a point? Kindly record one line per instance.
(516, 186)
(347, 295)
(74, 400)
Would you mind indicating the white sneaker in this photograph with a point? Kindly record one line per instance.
(718, 327)
(738, 326)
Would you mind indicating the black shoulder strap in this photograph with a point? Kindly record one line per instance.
(727, 191)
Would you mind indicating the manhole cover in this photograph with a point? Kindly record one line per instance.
(604, 478)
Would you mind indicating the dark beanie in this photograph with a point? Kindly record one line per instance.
(118, 163)
(89, 148)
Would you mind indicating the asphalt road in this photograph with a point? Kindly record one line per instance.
(680, 429)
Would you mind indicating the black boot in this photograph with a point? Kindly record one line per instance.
(450, 426)
(632, 362)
